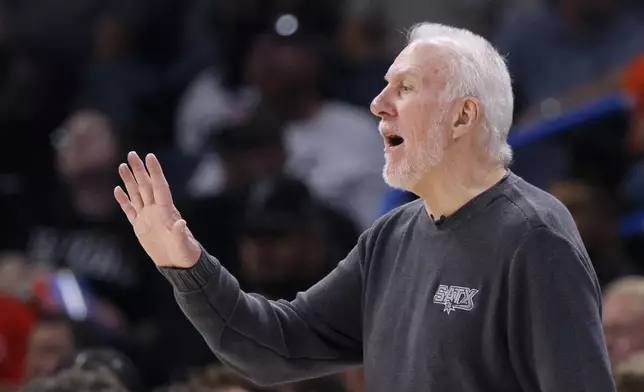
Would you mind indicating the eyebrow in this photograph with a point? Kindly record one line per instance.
(401, 74)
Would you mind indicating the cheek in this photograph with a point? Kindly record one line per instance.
(420, 110)
(417, 127)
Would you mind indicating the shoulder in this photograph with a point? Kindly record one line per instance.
(525, 208)
(548, 262)
(547, 242)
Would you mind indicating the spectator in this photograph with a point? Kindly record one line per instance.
(17, 275)
(77, 380)
(219, 93)
(87, 143)
(77, 225)
(241, 155)
(623, 318)
(111, 360)
(52, 338)
(222, 91)
(333, 147)
(287, 243)
(244, 152)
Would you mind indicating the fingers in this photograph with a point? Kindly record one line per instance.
(125, 204)
(142, 187)
(142, 177)
(162, 194)
(131, 186)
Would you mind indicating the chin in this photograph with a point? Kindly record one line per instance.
(399, 177)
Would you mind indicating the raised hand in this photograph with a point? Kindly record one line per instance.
(149, 208)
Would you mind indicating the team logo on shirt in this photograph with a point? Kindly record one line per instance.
(455, 297)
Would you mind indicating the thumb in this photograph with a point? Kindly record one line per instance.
(187, 245)
(179, 228)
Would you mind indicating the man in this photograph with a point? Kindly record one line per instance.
(51, 339)
(498, 294)
(623, 318)
(287, 241)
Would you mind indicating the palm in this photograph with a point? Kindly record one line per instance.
(156, 222)
(153, 228)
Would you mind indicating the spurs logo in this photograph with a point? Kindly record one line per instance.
(455, 298)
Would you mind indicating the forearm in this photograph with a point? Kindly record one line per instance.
(267, 341)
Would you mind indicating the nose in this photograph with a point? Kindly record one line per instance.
(382, 107)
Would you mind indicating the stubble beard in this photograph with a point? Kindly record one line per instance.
(419, 158)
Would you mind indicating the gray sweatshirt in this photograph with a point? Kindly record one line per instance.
(500, 296)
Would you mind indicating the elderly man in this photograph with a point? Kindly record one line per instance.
(482, 284)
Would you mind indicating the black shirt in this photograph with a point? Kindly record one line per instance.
(501, 296)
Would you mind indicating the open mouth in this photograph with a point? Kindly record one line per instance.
(394, 140)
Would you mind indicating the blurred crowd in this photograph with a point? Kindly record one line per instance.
(259, 112)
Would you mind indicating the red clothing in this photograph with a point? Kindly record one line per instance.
(16, 319)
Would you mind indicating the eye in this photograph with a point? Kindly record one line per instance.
(405, 88)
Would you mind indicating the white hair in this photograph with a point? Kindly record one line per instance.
(475, 69)
(629, 285)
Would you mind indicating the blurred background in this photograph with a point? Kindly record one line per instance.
(258, 111)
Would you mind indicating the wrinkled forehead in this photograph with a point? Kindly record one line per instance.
(424, 61)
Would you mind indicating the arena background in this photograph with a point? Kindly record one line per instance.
(259, 112)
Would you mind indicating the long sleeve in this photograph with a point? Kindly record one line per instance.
(272, 342)
(555, 334)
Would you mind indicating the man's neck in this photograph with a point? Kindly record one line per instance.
(452, 185)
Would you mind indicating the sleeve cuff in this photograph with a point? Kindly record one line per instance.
(194, 278)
